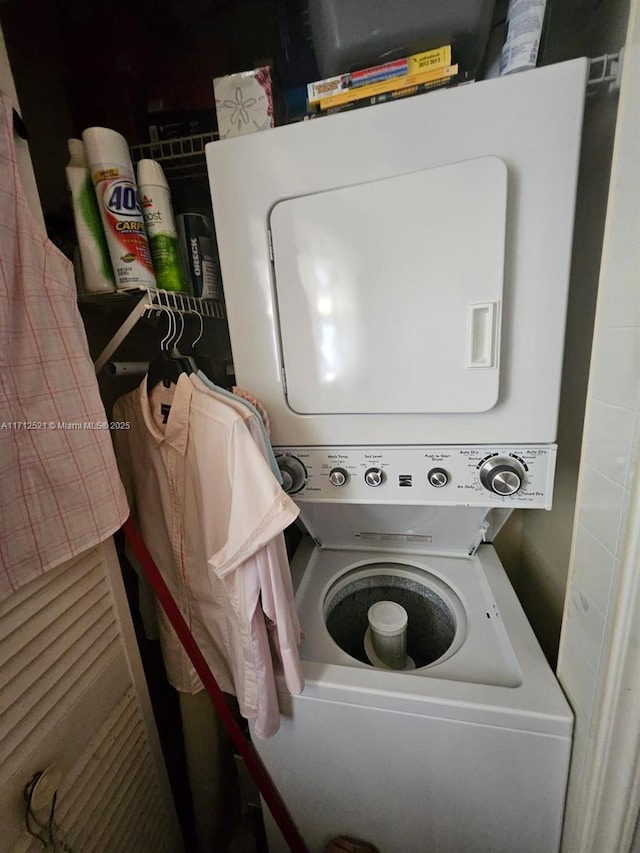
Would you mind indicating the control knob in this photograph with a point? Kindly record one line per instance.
(373, 476)
(502, 475)
(338, 476)
(438, 477)
(294, 474)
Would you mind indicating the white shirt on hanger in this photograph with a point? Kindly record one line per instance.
(207, 505)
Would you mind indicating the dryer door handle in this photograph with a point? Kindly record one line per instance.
(482, 334)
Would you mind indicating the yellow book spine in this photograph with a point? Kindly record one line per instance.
(391, 85)
(439, 58)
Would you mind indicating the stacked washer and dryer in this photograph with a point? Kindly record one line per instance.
(396, 283)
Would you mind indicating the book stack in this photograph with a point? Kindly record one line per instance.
(389, 81)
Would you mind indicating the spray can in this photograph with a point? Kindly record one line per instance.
(94, 273)
(113, 179)
(161, 226)
(200, 255)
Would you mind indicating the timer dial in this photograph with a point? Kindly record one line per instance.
(502, 475)
(294, 474)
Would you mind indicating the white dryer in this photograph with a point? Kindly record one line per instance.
(396, 281)
(399, 274)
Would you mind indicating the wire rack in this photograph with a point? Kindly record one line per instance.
(146, 301)
(605, 69)
(180, 158)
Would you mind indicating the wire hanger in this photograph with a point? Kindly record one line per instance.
(164, 368)
(19, 126)
(187, 364)
(199, 316)
(200, 361)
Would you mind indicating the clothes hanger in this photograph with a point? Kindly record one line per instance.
(200, 361)
(199, 316)
(19, 126)
(164, 368)
(185, 360)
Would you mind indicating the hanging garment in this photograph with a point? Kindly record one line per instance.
(245, 395)
(207, 504)
(276, 588)
(257, 425)
(60, 492)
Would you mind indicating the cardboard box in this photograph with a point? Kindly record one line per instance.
(244, 102)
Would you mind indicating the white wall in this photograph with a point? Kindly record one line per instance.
(535, 547)
(612, 439)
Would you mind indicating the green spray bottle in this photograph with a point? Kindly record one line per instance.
(161, 227)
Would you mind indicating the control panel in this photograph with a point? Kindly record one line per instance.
(480, 475)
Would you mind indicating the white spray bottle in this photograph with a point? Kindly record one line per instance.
(161, 226)
(96, 270)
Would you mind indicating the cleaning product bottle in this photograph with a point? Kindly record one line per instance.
(161, 226)
(95, 264)
(199, 252)
(113, 178)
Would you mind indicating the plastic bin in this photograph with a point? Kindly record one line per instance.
(353, 34)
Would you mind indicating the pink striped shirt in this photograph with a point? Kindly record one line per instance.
(60, 492)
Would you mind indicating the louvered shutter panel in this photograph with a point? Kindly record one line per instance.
(72, 694)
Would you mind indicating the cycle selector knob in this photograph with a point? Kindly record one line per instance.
(502, 475)
(438, 477)
(373, 477)
(294, 474)
(338, 476)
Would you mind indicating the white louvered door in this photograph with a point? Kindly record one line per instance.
(73, 695)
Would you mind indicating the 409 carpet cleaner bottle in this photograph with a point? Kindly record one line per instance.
(119, 203)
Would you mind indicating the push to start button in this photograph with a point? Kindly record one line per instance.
(438, 477)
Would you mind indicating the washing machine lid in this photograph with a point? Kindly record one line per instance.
(438, 530)
(372, 282)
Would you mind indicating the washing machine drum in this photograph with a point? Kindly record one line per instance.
(435, 624)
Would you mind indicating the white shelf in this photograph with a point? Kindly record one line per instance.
(605, 69)
(147, 301)
(180, 158)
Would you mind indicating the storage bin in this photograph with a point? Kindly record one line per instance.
(352, 34)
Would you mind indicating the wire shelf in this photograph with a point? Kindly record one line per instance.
(145, 301)
(153, 298)
(182, 157)
(185, 304)
(605, 69)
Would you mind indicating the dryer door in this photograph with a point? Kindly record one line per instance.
(373, 282)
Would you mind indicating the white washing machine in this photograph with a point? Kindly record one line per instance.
(396, 282)
(465, 751)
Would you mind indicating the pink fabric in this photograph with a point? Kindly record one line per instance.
(207, 504)
(60, 492)
(276, 588)
(245, 395)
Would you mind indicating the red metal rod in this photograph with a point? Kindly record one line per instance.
(246, 749)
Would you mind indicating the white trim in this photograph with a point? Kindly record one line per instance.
(604, 786)
(612, 800)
